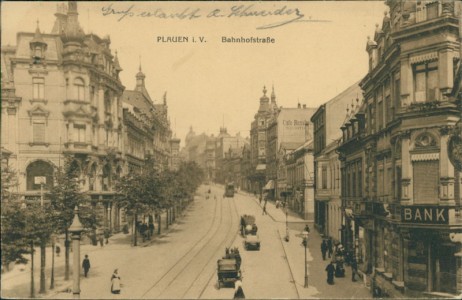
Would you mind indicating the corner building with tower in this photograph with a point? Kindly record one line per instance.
(401, 155)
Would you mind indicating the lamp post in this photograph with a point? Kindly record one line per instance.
(75, 229)
(287, 221)
(305, 242)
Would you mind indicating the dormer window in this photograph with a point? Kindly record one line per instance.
(38, 52)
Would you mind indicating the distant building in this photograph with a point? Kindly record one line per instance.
(258, 141)
(288, 128)
(300, 178)
(327, 121)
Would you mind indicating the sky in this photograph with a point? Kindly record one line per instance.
(319, 51)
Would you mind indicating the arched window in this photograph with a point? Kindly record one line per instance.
(92, 178)
(106, 179)
(37, 173)
(79, 87)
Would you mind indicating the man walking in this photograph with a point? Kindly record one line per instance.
(329, 247)
(264, 209)
(86, 265)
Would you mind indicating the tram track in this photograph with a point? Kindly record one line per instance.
(227, 244)
(232, 230)
(161, 287)
(186, 252)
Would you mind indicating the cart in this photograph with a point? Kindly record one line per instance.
(248, 225)
(227, 271)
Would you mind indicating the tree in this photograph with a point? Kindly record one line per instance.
(133, 195)
(64, 196)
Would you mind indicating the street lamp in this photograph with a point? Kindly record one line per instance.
(305, 243)
(75, 229)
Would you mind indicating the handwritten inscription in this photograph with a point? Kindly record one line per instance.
(284, 15)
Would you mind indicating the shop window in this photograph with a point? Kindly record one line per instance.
(444, 266)
(426, 82)
(38, 85)
(426, 180)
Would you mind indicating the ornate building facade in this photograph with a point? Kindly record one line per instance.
(147, 128)
(258, 141)
(400, 180)
(61, 95)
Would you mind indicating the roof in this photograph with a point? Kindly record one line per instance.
(138, 100)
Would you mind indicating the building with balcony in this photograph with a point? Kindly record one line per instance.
(147, 129)
(326, 122)
(61, 97)
(401, 173)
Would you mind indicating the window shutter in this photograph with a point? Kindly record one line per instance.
(426, 181)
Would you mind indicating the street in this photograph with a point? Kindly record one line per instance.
(182, 263)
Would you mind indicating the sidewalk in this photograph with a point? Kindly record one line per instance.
(317, 277)
(16, 283)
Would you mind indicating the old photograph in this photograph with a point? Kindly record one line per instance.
(231, 149)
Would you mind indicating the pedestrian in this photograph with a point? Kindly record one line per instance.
(339, 269)
(307, 228)
(106, 235)
(354, 269)
(260, 199)
(58, 250)
(151, 229)
(238, 290)
(86, 265)
(329, 247)
(324, 249)
(143, 229)
(330, 269)
(101, 240)
(115, 282)
(264, 209)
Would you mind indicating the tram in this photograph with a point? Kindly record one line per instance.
(229, 190)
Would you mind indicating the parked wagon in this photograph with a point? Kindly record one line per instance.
(248, 225)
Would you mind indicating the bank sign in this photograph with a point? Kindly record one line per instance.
(425, 214)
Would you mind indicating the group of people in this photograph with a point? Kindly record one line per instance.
(145, 230)
(335, 268)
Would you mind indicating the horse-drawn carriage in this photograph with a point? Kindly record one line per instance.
(229, 267)
(248, 225)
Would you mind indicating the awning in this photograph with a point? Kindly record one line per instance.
(261, 167)
(269, 185)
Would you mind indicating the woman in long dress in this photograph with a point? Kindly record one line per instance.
(115, 282)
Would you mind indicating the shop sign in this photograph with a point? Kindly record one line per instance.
(425, 214)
